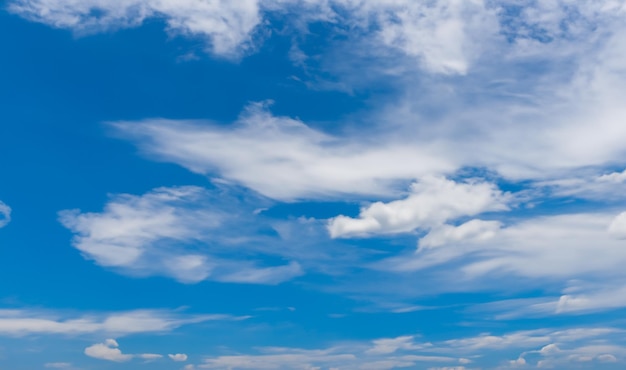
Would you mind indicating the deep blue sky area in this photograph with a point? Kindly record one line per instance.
(329, 185)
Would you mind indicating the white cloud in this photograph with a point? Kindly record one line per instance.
(391, 345)
(186, 233)
(600, 344)
(532, 248)
(109, 351)
(617, 228)
(334, 357)
(473, 231)
(227, 25)
(29, 322)
(606, 186)
(149, 356)
(281, 157)
(179, 357)
(432, 202)
(442, 35)
(5, 214)
(445, 36)
(552, 356)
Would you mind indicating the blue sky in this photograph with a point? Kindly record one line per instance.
(315, 184)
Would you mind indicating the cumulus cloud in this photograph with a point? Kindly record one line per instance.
(5, 214)
(28, 322)
(109, 351)
(431, 202)
(179, 357)
(184, 232)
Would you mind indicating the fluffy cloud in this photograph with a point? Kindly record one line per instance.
(226, 25)
(109, 351)
(179, 357)
(440, 34)
(27, 322)
(168, 232)
(432, 202)
(5, 214)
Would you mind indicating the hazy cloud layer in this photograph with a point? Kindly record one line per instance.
(563, 347)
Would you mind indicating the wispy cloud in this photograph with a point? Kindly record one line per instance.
(37, 322)
(5, 214)
(227, 26)
(188, 233)
(603, 344)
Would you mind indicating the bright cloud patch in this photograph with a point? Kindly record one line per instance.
(109, 351)
(533, 248)
(25, 322)
(281, 157)
(179, 357)
(438, 34)
(187, 233)
(5, 214)
(431, 202)
(618, 226)
(227, 25)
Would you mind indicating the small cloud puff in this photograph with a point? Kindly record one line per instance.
(109, 351)
(5, 214)
(179, 357)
